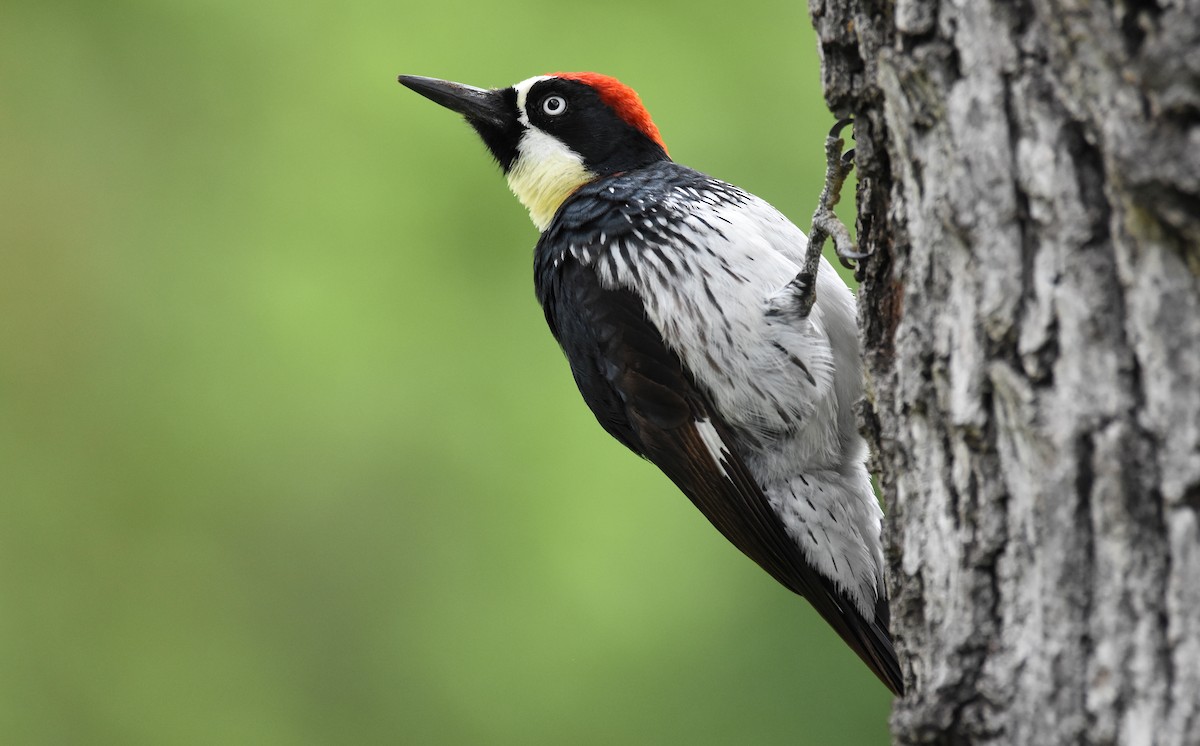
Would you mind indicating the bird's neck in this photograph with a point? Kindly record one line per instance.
(544, 174)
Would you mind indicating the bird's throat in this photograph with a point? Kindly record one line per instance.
(544, 174)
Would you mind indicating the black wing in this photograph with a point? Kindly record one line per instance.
(642, 395)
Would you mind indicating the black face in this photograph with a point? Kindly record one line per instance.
(501, 137)
(567, 109)
(573, 112)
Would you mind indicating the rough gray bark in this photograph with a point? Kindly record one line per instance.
(1030, 187)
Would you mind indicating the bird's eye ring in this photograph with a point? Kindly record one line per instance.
(554, 105)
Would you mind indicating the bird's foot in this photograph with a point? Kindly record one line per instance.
(825, 222)
(838, 166)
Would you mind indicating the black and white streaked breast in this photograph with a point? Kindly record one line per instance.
(705, 258)
(595, 226)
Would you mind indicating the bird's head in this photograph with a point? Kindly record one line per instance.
(553, 133)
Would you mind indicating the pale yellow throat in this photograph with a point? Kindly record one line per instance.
(544, 174)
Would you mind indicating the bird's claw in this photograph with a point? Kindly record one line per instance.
(848, 258)
(836, 130)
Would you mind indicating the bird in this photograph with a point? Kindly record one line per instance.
(692, 333)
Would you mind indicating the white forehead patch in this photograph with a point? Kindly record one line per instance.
(522, 90)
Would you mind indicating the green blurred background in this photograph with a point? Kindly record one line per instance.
(287, 455)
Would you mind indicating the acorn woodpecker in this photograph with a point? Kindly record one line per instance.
(684, 309)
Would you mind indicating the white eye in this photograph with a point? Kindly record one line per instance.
(554, 105)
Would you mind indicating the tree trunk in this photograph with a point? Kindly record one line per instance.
(1030, 189)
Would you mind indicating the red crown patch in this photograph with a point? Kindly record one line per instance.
(622, 99)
